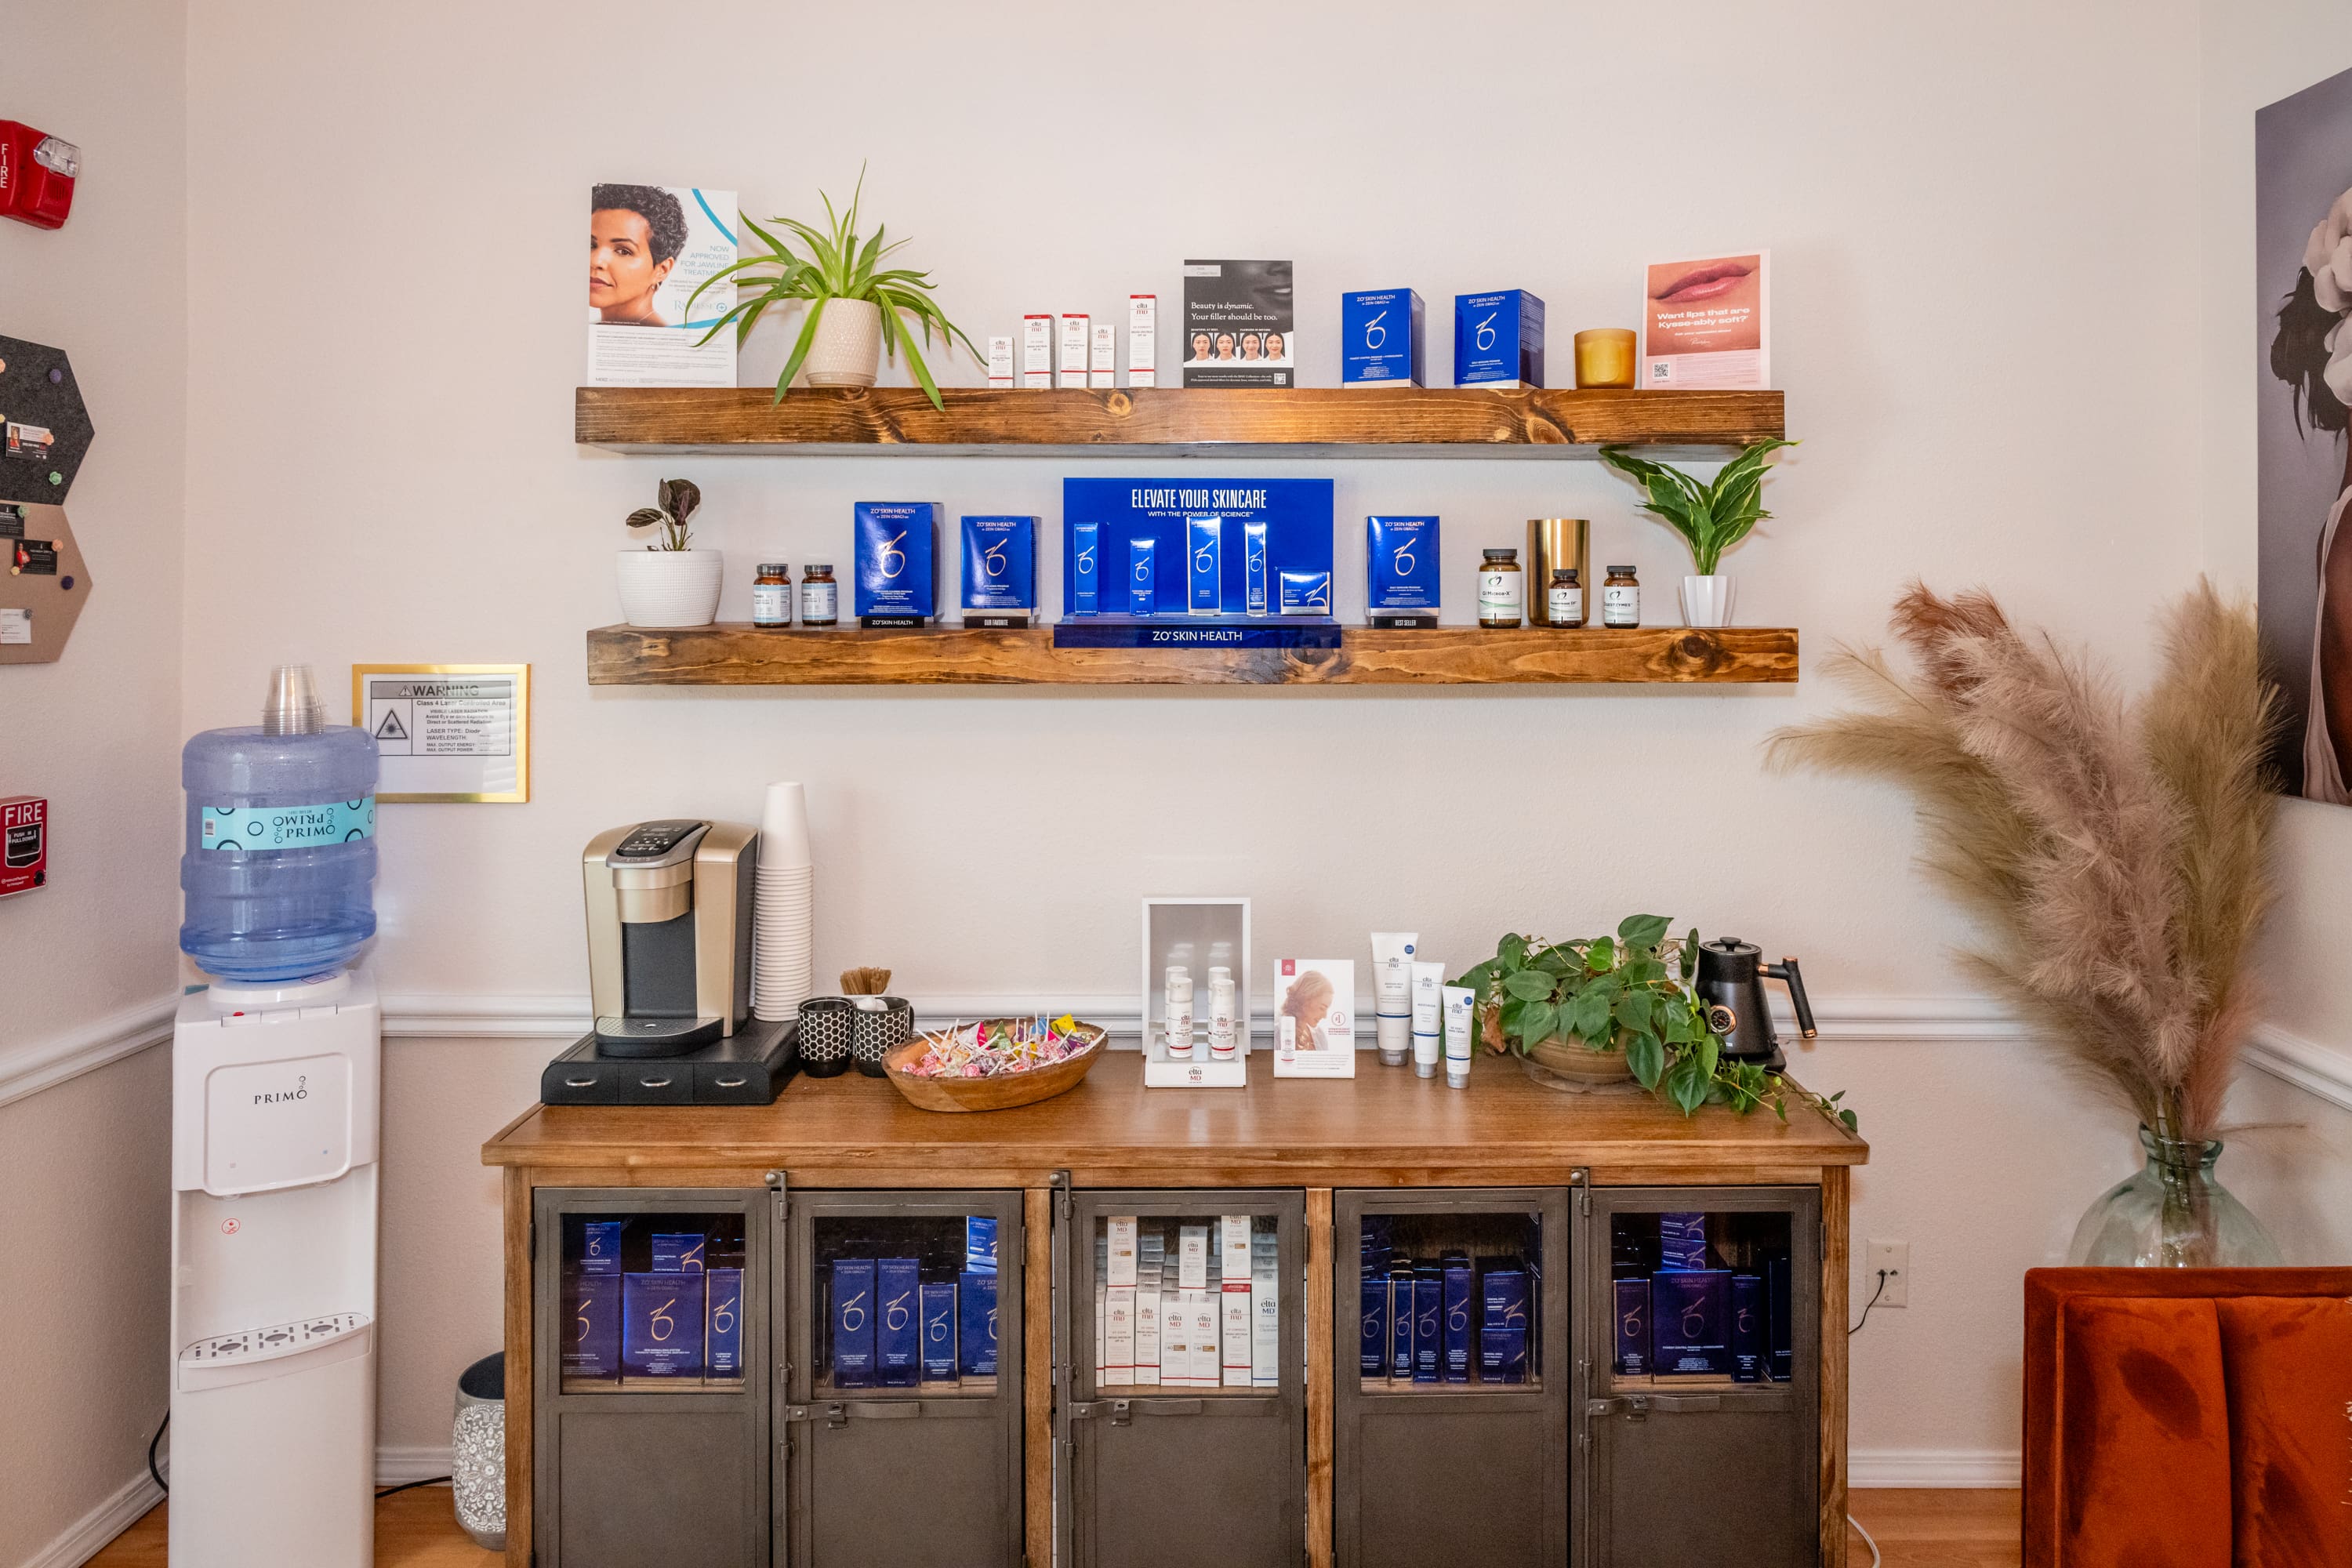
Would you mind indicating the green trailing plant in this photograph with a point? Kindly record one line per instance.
(679, 499)
(1711, 517)
(840, 265)
(1626, 994)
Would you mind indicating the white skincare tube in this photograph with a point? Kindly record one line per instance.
(1180, 1011)
(1220, 1013)
(1428, 980)
(1461, 1017)
(1392, 992)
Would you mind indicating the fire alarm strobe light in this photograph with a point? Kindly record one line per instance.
(37, 176)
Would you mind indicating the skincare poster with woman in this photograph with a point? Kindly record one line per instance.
(2303, 260)
(1315, 1018)
(1238, 321)
(649, 247)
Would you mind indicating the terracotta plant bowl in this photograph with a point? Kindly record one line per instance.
(1556, 1065)
(1000, 1093)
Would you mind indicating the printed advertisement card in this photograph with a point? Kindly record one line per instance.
(649, 247)
(1707, 323)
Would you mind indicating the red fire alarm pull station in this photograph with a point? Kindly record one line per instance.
(23, 843)
(37, 176)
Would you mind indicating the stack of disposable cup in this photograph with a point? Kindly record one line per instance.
(782, 920)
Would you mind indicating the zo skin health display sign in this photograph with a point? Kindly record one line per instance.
(1142, 577)
(1000, 365)
(1075, 331)
(1256, 601)
(1401, 571)
(1498, 339)
(1086, 569)
(1295, 515)
(677, 1252)
(852, 1322)
(593, 1348)
(1315, 1018)
(1102, 358)
(939, 1332)
(896, 543)
(599, 1247)
(1036, 352)
(897, 1326)
(661, 1328)
(1204, 562)
(1708, 322)
(1690, 1321)
(975, 1323)
(1632, 1327)
(1373, 1358)
(1143, 340)
(1000, 570)
(1461, 1306)
(723, 1336)
(1380, 339)
(1748, 1350)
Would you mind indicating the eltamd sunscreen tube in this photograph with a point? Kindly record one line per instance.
(1428, 980)
(1392, 992)
(1255, 598)
(1461, 1013)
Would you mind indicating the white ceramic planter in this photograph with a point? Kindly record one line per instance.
(847, 350)
(670, 587)
(1706, 601)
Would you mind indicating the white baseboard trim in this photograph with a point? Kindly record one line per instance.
(1939, 1469)
(89, 1535)
(398, 1467)
(30, 1069)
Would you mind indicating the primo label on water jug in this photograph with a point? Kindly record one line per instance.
(288, 826)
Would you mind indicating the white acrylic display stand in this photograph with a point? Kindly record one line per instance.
(1196, 933)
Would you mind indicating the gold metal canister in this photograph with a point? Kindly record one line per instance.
(1552, 542)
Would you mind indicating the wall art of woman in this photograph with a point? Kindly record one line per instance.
(2312, 353)
(635, 234)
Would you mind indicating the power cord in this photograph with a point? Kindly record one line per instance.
(1874, 1559)
(1874, 1295)
(162, 1485)
(427, 1481)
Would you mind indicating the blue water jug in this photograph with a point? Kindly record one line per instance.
(280, 857)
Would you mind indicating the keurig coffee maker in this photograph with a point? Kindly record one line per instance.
(1730, 986)
(669, 973)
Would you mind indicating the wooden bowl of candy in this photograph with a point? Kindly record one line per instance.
(995, 1064)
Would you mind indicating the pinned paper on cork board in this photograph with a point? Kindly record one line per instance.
(448, 731)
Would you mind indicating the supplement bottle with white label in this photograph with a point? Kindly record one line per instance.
(1565, 600)
(771, 596)
(1621, 599)
(820, 596)
(1502, 591)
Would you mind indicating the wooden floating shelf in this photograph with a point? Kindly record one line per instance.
(1403, 422)
(735, 654)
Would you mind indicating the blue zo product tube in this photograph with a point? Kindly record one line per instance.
(1306, 593)
(1428, 1324)
(1747, 1341)
(677, 1252)
(661, 1326)
(592, 1348)
(1401, 1320)
(1690, 1321)
(976, 1324)
(897, 1332)
(599, 1247)
(939, 1332)
(1375, 1353)
(723, 1353)
(1204, 563)
(1459, 1340)
(1142, 577)
(852, 1322)
(1254, 597)
(1085, 568)
(1632, 1328)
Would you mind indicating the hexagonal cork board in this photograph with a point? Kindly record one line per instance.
(43, 582)
(44, 428)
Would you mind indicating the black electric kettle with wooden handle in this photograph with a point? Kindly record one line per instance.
(1730, 986)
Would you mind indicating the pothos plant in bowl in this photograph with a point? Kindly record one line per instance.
(1620, 1002)
(668, 582)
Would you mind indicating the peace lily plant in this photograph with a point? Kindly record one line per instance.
(1711, 517)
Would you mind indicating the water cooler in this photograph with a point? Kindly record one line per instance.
(276, 1075)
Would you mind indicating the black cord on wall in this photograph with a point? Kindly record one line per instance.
(1874, 1295)
(161, 1483)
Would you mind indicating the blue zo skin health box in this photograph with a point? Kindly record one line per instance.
(1690, 1321)
(1498, 339)
(1748, 1341)
(976, 1324)
(939, 1333)
(1505, 1299)
(1401, 1320)
(593, 1348)
(1428, 1324)
(1375, 1353)
(1401, 563)
(1086, 569)
(1682, 1241)
(1000, 564)
(979, 1242)
(599, 1247)
(852, 1322)
(1461, 1289)
(1306, 593)
(661, 1326)
(723, 1343)
(677, 1252)
(1142, 576)
(1780, 1326)
(897, 1332)
(1632, 1328)
(897, 544)
(1380, 339)
(1204, 563)
(1502, 1355)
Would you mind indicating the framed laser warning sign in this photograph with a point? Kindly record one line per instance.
(448, 731)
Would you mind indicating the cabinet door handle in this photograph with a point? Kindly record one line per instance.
(1669, 1403)
(882, 1409)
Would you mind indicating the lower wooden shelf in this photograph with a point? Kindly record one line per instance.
(735, 654)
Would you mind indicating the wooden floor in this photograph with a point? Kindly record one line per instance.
(1915, 1530)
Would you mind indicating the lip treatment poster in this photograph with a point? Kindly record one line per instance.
(1705, 323)
(649, 247)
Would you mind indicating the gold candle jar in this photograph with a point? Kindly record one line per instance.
(1604, 357)
(1554, 542)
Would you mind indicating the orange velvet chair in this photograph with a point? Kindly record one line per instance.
(2188, 1418)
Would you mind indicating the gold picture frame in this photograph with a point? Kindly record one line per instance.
(462, 703)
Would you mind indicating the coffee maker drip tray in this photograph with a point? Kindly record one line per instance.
(642, 1037)
(749, 1067)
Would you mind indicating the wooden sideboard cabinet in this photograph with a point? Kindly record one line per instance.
(1318, 1454)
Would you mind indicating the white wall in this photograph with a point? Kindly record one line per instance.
(87, 963)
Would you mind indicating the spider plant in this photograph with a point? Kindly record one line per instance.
(1710, 518)
(839, 266)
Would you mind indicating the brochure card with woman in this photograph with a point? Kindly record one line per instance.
(1315, 1018)
(1238, 324)
(649, 247)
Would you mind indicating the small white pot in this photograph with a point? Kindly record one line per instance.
(1706, 601)
(670, 587)
(847, 348)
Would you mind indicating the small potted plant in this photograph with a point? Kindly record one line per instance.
(668, 582)
(1710, 518)
(857, 309)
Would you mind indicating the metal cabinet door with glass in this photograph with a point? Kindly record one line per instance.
(903, 1421)
(1451, 1388)
(1179, 1366)
(652, 1380)
(1699, 1329)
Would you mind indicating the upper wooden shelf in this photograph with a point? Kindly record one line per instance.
(1403, 422)
(734, 654)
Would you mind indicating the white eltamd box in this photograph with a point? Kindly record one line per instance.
(1120, 1267)
(1234, 1363)
(1143, 340)
(1191, 1258)
(1102, 362)
(1204, 1330)
(1201, 935)
(1266, 1310)
(1074, 333)
(1038, 351)
(1000, 365)
(1119, 1335)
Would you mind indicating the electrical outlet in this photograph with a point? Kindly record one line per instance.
(1895, 1257)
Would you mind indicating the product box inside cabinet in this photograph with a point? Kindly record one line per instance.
(1200, 934)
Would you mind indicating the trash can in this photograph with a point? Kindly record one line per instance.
(478, 1452)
